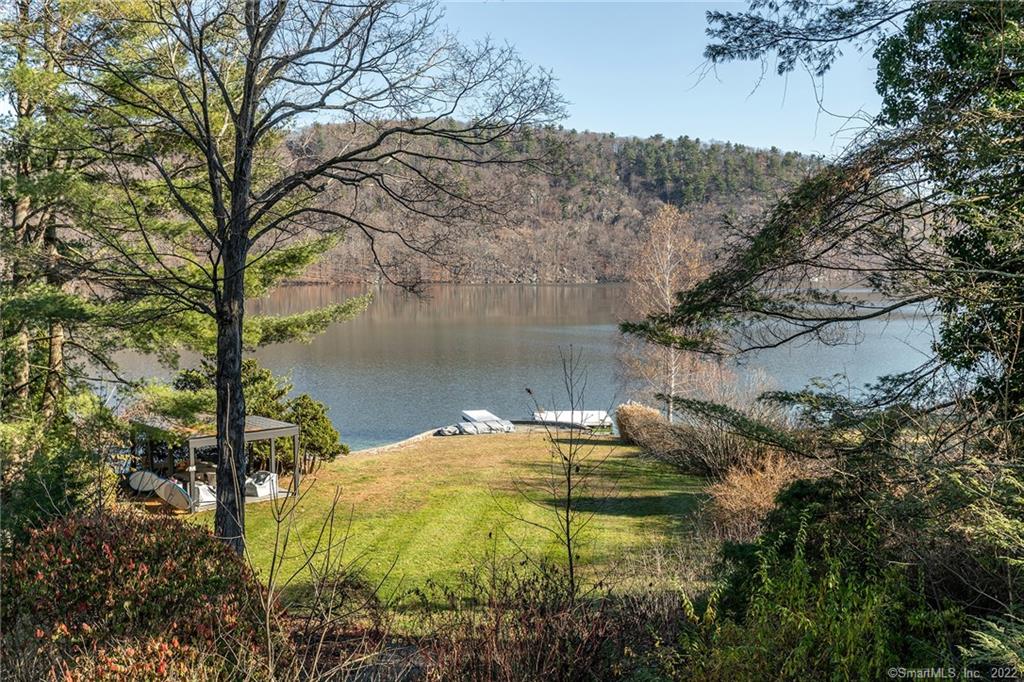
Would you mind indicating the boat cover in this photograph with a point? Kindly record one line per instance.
(479, 416)
(205, 493)
(474, 428)
(261, 484)
(586, 418)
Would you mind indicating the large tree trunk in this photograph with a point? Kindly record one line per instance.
(54, 372)
(671, 371)
(20, 373)
(53, 386)
(231, 465)
(17, 398)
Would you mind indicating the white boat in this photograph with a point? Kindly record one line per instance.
(589, 419)
(476, 422)
(493, 423)
(479, 416)
(477, 428)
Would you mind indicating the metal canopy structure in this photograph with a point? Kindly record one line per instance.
(257, 429)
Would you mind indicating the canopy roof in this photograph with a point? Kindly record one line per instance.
(204, 433)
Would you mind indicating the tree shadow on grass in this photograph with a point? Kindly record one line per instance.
(675, 504)
(622, 487)
(587, 441)
(626, 475)
(672, 513)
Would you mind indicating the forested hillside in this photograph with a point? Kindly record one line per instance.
(581, 223)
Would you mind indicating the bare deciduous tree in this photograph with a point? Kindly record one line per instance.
(567, 492)
(201, 103)
(670, 259)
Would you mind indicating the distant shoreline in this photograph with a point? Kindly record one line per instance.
(446, 282)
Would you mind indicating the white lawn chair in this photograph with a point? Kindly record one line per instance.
(205, 493)
(261, 484)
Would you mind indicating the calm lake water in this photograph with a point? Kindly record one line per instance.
(410, 364)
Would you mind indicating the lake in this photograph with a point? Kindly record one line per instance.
(409, 364)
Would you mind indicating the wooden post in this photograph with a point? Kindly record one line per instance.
(191, 477)
(295, 457)
(273, 456)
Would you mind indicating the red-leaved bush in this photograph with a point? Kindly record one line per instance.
(513, 625)
(85, 582)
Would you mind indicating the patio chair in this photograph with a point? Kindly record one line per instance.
(261, 484)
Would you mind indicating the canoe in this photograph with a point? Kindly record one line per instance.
(173, 494)
(145, 481)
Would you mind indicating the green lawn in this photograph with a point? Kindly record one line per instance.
(436, 506)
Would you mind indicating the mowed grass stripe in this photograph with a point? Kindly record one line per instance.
(428, 510)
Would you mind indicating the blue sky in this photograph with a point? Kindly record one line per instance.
(634, 69)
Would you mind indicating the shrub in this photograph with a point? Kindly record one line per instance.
(153, 659)
(522, 625)
(52, 471)
(741, 500)
(319, 439)
(266, 395)
(632, 419)
(54, 483)
(808, 619)
(84, 582)
(998, 644)
(712, 450)
(647, 427)
(699, 447)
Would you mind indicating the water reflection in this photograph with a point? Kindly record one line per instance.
(408, 364)
(512, 305)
